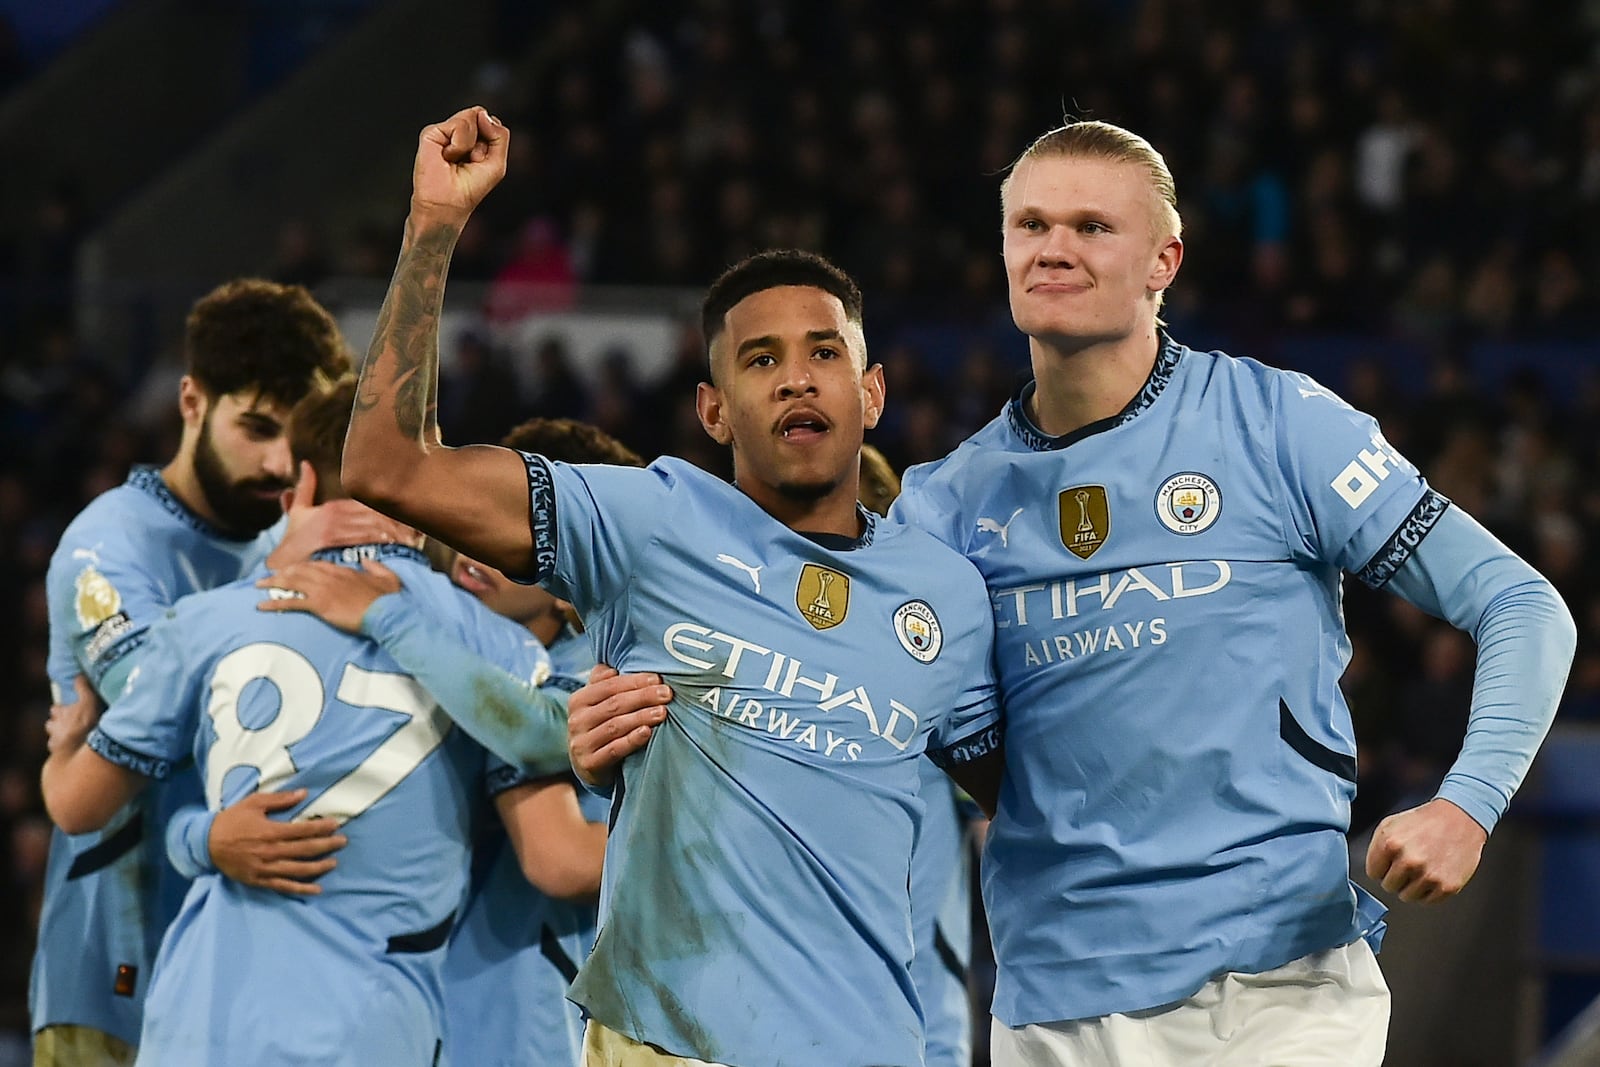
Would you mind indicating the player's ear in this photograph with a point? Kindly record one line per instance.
(1169, 257)
(192, 401)
(708, 404)
(306, 482)
(872, 388)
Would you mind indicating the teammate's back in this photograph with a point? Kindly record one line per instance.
(283, 701)
(252, 349)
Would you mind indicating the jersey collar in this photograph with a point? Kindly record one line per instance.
(841, 543)
(354, 554)
(1167, 357)
(147, 479)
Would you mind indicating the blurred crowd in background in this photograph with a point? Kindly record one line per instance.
(1397, 197)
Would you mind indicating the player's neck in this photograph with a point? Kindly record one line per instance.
(185, 485)
(834, 513)
(1080, 385)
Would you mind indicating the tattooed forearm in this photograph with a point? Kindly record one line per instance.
(403, 363)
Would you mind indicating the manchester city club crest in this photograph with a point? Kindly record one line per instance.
(1188, 503)
(823, 596)
(918, 629)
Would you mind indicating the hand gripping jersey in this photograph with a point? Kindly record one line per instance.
(754, 908)
(282, 701)
(108, 896)
(1166, 594)
(515, 951)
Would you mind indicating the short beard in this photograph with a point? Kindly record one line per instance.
(806, 492)
(237, 508)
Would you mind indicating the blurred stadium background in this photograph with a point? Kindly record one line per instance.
(1400, 197)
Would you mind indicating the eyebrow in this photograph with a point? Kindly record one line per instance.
(773, 341)
(259, 420)
(1076, 211)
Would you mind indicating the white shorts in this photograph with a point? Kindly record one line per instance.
(1328, 1009)
(604, 1047)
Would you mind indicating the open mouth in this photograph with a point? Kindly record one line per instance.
(802, 426)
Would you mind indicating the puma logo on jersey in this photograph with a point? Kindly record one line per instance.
(988, 525)
(1309, 387)
(733, 561)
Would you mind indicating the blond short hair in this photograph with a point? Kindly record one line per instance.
(1091, 139)
(879, 483)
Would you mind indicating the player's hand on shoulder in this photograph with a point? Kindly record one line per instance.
(458, 161)
(611, 718)
(69, 725)
(250, 847)
(1426, 854)
(338, 595)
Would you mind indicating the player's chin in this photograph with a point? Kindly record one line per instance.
(1054, 323)
(249, 512)
(808, 486)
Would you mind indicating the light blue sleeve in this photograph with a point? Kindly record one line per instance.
(500, 775)
(1526, 637)
(102, 603)
(61, 664)
(972, 728)
(189, 840)
(493, 690)
(150, 727)
(1348, 490)
(926, 503)
(588, 521)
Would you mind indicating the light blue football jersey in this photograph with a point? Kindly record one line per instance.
(283, 701)
(1180, 762)
(755, 908)
(515, 950)
(108, 896)
(941, 916)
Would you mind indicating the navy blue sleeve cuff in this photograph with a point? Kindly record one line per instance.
(974, 746)
(123, 756)
(1404, 541)
(541, 518)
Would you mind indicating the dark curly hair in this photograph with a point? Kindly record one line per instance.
(262, 337)
(570, 441)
